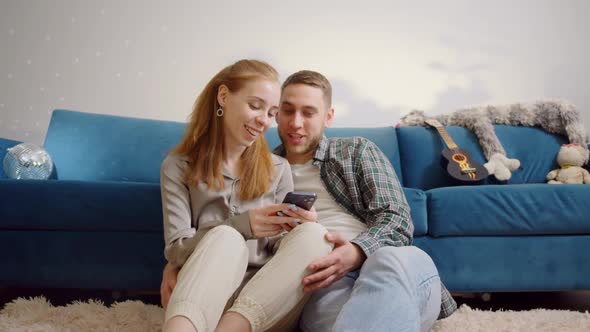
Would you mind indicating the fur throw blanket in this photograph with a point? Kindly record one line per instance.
(554, 117)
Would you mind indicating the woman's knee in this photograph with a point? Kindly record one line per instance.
(311, 228)
(309, 232)
(220, 243)
(309, 236)
(222, 238)
(227, 233)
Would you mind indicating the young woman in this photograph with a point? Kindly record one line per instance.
(221, 191)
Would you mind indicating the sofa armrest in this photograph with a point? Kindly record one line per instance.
(80, 206)
(4, 145)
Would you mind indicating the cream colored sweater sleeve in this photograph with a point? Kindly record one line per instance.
(179, 233)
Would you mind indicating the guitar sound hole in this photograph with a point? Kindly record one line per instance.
(459, 158)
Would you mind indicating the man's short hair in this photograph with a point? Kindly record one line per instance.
(311, 78)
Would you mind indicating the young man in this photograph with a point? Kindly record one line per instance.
(373, 279)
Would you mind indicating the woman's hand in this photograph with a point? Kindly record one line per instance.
(265, 222)
(169, 277)
(299, 213)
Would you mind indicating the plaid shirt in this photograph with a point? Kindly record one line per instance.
(361, 179)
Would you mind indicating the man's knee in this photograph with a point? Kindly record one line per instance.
(398, 259)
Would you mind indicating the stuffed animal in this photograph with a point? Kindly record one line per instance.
(571, 158)
(555, 117)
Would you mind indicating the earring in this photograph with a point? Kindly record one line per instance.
(220, 112)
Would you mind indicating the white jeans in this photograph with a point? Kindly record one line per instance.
(271, 300)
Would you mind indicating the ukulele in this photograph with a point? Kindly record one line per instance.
(459, 163)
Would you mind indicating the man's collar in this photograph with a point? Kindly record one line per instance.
(319, 155)
(320, 152)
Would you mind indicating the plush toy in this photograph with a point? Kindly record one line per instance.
(571, 158)
(555, 117)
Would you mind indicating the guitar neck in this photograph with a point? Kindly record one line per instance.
(446, 137)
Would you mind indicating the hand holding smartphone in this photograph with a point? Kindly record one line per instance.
(301, 199)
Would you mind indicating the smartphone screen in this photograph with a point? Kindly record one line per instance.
(301, 199)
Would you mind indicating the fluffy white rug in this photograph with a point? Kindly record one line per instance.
(538, 320)
(38, 314)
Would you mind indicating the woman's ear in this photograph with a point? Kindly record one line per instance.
(222, 93)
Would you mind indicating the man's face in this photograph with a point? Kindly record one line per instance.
(303, 115)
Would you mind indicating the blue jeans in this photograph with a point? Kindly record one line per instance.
(397, 289)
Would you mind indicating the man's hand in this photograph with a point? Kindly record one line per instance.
(169, 277)
(324, 271)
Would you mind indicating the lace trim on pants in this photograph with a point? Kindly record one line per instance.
(250, 309)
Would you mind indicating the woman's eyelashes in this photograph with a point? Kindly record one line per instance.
(260, 107)
(273, 112)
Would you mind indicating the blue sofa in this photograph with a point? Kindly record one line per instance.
(98, 223)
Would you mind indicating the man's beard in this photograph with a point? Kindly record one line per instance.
(312, 144)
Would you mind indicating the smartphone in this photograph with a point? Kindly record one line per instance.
(301, 199)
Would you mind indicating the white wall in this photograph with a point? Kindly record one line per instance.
(151, 58)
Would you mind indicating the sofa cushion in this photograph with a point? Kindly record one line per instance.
(98, 147)
(384, 137)
(417, 200)
(490, 210)
(80, 206)
(510, 263)
(535, 148)
(81, 259)
(77, 205)
(420, 153)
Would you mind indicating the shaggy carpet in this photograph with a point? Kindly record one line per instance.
(37, 314)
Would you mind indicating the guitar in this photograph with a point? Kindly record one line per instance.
(459, 163)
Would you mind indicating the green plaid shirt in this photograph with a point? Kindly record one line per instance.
(361, 179)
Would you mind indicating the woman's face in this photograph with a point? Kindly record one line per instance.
(248, 112)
